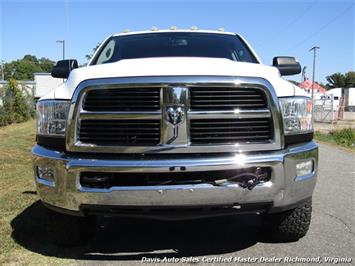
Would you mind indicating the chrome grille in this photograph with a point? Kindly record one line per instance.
(131, 115)
(231, 131)
(131, 99)
(120, 132)
(226, 98)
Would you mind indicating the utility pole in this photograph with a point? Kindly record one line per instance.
(2, 69)
(314, 49)
(63, 43)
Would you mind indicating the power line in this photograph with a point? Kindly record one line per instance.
(322, 27)
(287, 27)
(292, 22)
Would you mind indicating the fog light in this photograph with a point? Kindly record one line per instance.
(304, 168)
(46, 173)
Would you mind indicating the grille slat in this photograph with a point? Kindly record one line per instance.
(123, 93)
(230, 122)
(118, 105)
(222, 91)
(121, 99)
(224, 138)
(114, 101)
(83, 134)
(227, 128)
(128, 139)
(121, 123)
(109, 97)
(116, 132)
(226, 98)
(210, 106)
(219, 101)
(93, 129)
(230, 131)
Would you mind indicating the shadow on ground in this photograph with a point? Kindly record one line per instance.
(132, 239)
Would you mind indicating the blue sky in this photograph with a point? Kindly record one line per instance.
(272, 27)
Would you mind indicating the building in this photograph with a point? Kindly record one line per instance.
(307, 85)
(44, 83)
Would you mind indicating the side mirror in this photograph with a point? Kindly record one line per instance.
(63, 68)
(287, 65)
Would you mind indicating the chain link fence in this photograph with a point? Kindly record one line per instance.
(326, 109)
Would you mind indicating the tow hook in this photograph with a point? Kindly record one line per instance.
(247, 179)
(251, 183)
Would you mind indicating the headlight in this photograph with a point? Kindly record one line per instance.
(52, 117)
(297, 115)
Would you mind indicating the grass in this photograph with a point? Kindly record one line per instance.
(22, 229)
(344, 137)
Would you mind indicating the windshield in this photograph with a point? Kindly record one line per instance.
(174, 44)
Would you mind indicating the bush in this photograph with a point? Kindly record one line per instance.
(3, 116)
(16, 105)
(344, 137)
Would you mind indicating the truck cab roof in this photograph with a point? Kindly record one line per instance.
(173, 30)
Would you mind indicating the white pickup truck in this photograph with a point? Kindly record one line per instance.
(175, 124)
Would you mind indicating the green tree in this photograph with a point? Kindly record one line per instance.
(350, 79)
(336, 80)
(16, 106)
(31, 58)
(24, 68)
(46, 64)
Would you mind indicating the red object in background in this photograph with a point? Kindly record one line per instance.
(307, 85)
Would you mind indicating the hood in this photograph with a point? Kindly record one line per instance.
(175, 66)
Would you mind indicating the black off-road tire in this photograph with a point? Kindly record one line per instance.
(67, 230)
(290, 225)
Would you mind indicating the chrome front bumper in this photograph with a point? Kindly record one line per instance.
(284, 189)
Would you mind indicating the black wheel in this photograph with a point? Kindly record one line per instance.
(290, 225)
(67, 230)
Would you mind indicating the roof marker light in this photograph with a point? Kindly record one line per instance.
(126, 30)
(194, 28)
(154, 28)
(221, 29)
(173, 28)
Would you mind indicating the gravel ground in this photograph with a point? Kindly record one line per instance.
(332, 232)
